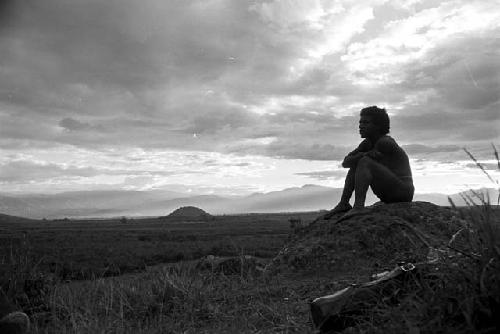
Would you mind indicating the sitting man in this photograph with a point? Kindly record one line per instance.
(378, 162)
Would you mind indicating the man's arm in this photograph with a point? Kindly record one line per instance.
(384, 147)
(353, 157)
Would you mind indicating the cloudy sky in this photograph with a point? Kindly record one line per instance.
(234, 97)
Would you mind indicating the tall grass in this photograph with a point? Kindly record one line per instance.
(22, 284)
(178, 299)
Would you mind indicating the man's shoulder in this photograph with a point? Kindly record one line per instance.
(365, 145)
(386, 139)
(386, 142)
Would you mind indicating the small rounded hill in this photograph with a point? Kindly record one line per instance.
(190, 213)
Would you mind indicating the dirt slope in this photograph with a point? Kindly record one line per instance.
(370, 242)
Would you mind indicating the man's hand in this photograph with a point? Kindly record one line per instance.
(352, 159)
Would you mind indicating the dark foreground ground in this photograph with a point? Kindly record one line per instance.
(139, 275)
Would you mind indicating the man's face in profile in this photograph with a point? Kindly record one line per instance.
(366, 127)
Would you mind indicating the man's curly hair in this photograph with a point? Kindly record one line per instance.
(378, 116)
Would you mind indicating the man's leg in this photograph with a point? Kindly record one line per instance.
(344, 205)
(348, 186)
(363, 178)
(384, 183)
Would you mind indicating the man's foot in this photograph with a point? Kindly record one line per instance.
(355, 211)
(339, 208)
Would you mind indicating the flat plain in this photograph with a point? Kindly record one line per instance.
(139, 275)
(83, 249)
(128, 275)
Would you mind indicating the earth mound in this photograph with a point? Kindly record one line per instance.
(191, 213)
(377, 240)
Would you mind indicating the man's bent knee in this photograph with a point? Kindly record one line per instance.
(365, 162)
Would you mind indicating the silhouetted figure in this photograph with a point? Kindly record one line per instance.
(378, 162)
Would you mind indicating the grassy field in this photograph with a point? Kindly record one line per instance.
(83, 249)
(137, 276)
(60, 275)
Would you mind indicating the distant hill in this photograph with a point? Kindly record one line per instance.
(158, 203)
(14, 219)
(191, 213)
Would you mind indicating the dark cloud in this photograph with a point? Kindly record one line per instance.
(433, 124)
(142, 45)
(419, 149)
(292, 150)
(151, 74)
(464, 69)
(136, 73)
(73, 125)
(213, 119)
(483, 133)
(30, 171)
(480, 152)
(307, 152)
(437, 153)
(7, 13)
(26, 171)
(453, 92)
(486, 165)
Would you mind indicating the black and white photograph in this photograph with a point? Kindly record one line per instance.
(249, 166)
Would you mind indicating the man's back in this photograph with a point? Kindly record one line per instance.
(393, 157)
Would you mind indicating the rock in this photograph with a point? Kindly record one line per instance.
(15, 323)
(377, 240)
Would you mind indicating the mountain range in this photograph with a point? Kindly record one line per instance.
(85, 204)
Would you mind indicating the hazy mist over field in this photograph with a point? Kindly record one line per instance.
(140, 103)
